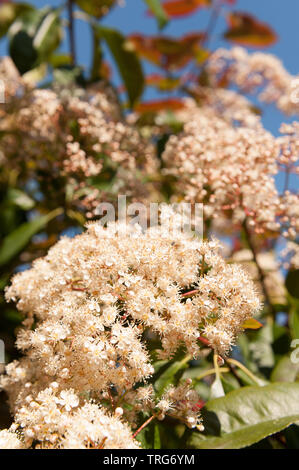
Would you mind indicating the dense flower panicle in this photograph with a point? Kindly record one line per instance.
(231, 170)
(59, 421)
(291, 256)
(288, 162)
(228, 169)
(232, 107)
(255, 72)
(95, 302)
(78, 137)
(91, 298)
(10, 440)
(181, 403)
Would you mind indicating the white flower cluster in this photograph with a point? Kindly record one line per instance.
(88, 305)
(231, 170)
(254, 72)
(57, 421)
(79, 138)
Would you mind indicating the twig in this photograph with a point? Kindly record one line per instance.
(222, 370)
(244, 369)
(204, 341)
(232, 370)
(216, 366)
(287, 179)
(101, 445)
(216, 8)
(111, 399)
(70, 7)
(191, 292)
(148, 421)
(261, 275)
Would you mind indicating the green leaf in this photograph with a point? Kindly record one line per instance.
(157, 439)
(20, 199)
(127, 62)
(159, 12)
(60, 60)
(36, 75)
(247, 415)
(97, 8)
(147, 436)
(229, 383)
(68, 74)
(257, 348)
(168, 377)
(22, 52)
(97, 54)
(294, 318)
(13, 316)
(285, 371)
(17, 240)
(34, 36)
(8, 14)
(158, 365)
(292, 283)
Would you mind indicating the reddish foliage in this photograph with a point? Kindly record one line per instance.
(170, 104)
(167, 52)
(247, 30)
(161, 82)
(177, 8)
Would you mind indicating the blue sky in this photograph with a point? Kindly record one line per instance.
(283, 15)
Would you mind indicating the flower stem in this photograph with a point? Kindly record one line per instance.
(111, 399)
(244, 369)
(190, 293)
(222, 370)
(216, 366)
(148, 421)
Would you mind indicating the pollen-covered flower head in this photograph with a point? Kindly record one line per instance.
(78, 138)
(90, 307)
(257, 71)
(231, 170)
(45, 421)
(92, 297)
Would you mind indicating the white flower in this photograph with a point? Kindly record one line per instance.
(68, 399)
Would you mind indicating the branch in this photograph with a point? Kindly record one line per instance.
(261, 274)
(149, 420)
(70, 7)
(216, 9)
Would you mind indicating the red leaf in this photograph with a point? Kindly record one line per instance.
(177, 8)
(162, 83)
(145, 46)
(249, 31)
(168, 52)
(169, 104)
